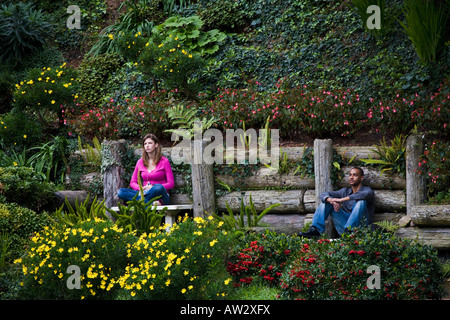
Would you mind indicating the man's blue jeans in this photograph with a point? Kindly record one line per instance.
(157, 190)
(342, 220)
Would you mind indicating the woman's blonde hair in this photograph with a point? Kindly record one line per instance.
(158, 153)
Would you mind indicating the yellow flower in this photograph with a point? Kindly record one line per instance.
(183, 290)
(110, 36)
(167, 282)
(212, 243)
(24, 136)
(15, 163)
(227, 281)
(53, 101)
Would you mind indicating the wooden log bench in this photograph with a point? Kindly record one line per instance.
(170, 213)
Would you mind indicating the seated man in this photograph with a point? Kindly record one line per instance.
(347, 207)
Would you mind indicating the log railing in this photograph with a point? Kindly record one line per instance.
(395, 196)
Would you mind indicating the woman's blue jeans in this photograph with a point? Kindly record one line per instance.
(342, 220)
(157, 190)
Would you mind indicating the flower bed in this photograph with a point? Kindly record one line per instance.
(324, 269)
(115, 264)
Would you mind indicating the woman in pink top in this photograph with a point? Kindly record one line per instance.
(155, 171)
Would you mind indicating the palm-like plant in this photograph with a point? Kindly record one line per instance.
(187, 121)
(22, 30)
(426, 27)
(391, 158)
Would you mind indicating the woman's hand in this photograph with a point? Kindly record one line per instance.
(147, 187)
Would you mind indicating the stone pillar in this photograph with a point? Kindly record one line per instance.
(415, 182)
(323, 159)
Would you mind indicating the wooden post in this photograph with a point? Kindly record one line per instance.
(323, 159)
(415, 182)
(203, 192)
(113, 171)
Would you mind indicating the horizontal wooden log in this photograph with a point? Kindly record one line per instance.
(431, 215)
(374, 179)
(359, 152)
(382, 216)
(282, 223)
(303, 201)
(267, 177)
(390, 200)
(72, 196)
(180, 198)
(438, 238)
(291, 201)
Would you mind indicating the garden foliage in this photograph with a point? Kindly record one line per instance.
(186, 263)
(323, 269)
(25, 186)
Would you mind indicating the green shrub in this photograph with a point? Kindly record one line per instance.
(22, 31)
(223, 15)
(339, 269)
(391, 158)
(140, 17)
(72, 216)
(18, 224)
(185, 263)
(145, 114)
(18, 131)
(46, 89)
(94, 73)
(26, 187)
(137, 216)
(178, 69)
(261, 258)
(97, 247)
(246, 212)
(434, 164)
(187, 31)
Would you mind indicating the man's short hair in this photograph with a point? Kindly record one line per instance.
(360, 170)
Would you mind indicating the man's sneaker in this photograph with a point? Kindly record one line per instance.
(311, 233)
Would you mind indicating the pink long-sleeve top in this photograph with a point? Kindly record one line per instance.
(162, 174)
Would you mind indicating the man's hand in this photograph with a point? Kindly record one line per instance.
(337, 202)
